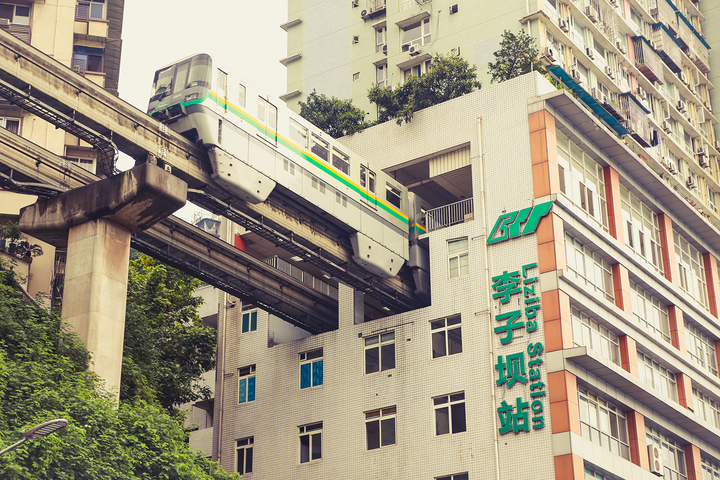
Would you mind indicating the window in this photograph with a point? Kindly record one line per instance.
(267, 114)
(446, 336)
(701, 348)
(457, 476)
(17, 14)
(710, 468)
(581, 179)
(416, 70)
(298, 134)
(416, 33)
(589, 333)
(380, 428)
(672, 453)
(246, 384)
(311, 368)
(450, 413)
(244, 455)
(458, 257)
(649, 312)
(381, 75)
(319, 147)
(392, 195)
(341, 161)
(380, 38)
(594, 270)
(591, 474)
(84, 163)
(706, 408)
(657, 376)
(356, 76)
(311, 442)
(367, 179)
(603, 423)
(241, 95)
(642, 229)
(249, 321)
(87, 59)
(690, 270)
(380, 352)
(317, 184)
(10, 124)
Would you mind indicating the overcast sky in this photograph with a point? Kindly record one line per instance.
(244, 35)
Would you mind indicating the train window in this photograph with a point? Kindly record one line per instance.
(318, 184)
(298, 134)
(367, 179)
(181, 77)
(392, 195)
(161, 86)
(341, 199)
(319, 147)
(289, 166)
(241, 96)
(200, 71)
(341, 161)
(222, 85)
(272, 117)
(261, 109)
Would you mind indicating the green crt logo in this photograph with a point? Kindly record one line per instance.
(508, 225)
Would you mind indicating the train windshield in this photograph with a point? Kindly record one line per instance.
(194, 72)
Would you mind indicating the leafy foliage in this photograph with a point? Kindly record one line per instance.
(43, 375)
(167, 348)
(332, 115)
(517, 56)
(449, 77)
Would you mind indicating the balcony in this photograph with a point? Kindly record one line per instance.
(448, 215)
(665, 12)
(20, 31)
(290, 269)
(637, 122)
(667, 47)
(647, 61)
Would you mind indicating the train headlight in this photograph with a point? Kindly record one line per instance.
(192, 96)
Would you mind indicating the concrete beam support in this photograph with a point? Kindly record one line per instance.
(614, 204)
(95, 222)
(543, 151)
(693, 462)
(556, 320)
(621, 287)
(711, 279)
(667, 245)
(564, 404)
(551, 244)
(677, 328)
(569, 467)
(684, 388)
(628, 355)
(638, 445)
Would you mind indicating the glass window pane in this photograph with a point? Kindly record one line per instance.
(372, 340)
(317, 373)
(316, 446)
(454, 341)
(388, 356)
(438, 344)
(241, 461)
(242, 389)
(304, 448)
(96, 10)
(248, 460)
(388, 432)
(305, 374)
(372, 362)
(253, 321)
(442, 421)
(251, 389)
(372, 430)
(458, 417)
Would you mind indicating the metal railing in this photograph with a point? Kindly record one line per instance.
(306, 278)
(447, 215)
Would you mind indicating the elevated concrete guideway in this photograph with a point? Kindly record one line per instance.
(42, 85)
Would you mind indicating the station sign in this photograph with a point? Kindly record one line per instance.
(508, 225)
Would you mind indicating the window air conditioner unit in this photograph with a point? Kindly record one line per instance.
(652, 44)
(717, 145)
(683, 78)
(704, 162)
(549, 54)
(414, 49)
(576, 75)
(355, 3)
(691, 182)
(591, 13)
(77, 69)
(609, 72)
(563, 25)
(364, 14)
(666, 126)
(4, 21)
(384, 48)
(590, 53)
(455, 52)
(708, 106)
(681, 106)
(620, 47)
(597, 94)
(701, 151)
(641, 93)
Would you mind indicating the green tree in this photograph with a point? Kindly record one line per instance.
(449, 77)
(517, 56)
(334, 116)
(167, 348)
(43, 375)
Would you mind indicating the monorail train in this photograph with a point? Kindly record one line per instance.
(256, 144)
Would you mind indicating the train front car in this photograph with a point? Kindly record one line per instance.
(193, 101)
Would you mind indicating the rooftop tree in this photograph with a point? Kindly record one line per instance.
(517, 56)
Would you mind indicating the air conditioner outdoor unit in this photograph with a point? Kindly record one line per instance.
(704, 162)
(613, 3)
(455, 52)
(563, 25)
(4, 21)
(596, 94)
(364, 14)
(591, 13)
(620, 47)
(549, 54)
(683, 78)
(701, 151)
(691, 182)
(641, 93)
(590, 53)
(681, 106)
(414, 49)
(666, 126)
(708, 106)
(609, 72)
(576, 75)
(77, 69)
(355, 3)
(717, 145)
(384, 49)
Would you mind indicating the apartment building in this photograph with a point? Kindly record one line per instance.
(82, 35)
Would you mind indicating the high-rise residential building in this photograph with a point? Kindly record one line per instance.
(82, 35)
(573, 235)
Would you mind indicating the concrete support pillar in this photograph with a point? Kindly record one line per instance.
(638, 445)
(556, 320)
(693, 462)
(711, 279)
(621, 287)
(628, 355)
(667, 245)
(543, 152)
(677, 328)
(551, 244)
(614, 204)
(96, 293)
(95, 223)
(564, 404)
(684, 388)
(569, 467)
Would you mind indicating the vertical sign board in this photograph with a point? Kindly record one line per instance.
(518, 368)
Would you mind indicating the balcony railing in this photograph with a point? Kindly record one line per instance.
(664, 12)
(447, 215)
(306, 278)
(20, 31)
(667, 47)
(647, 61)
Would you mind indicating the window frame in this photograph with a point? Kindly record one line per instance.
(247, 384)
(425, 34)
(437, 331)
(589, 332)
(382, 351)
(311, 357)
(459, 255)
(13, 20)
(603, 423)
(659, 320)
(448, 404)
(701, 348)
(668, 446)
(247, 449)
(662, 381)
(251, 323)
(575, 250)
(314, 433)
(382, 416)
